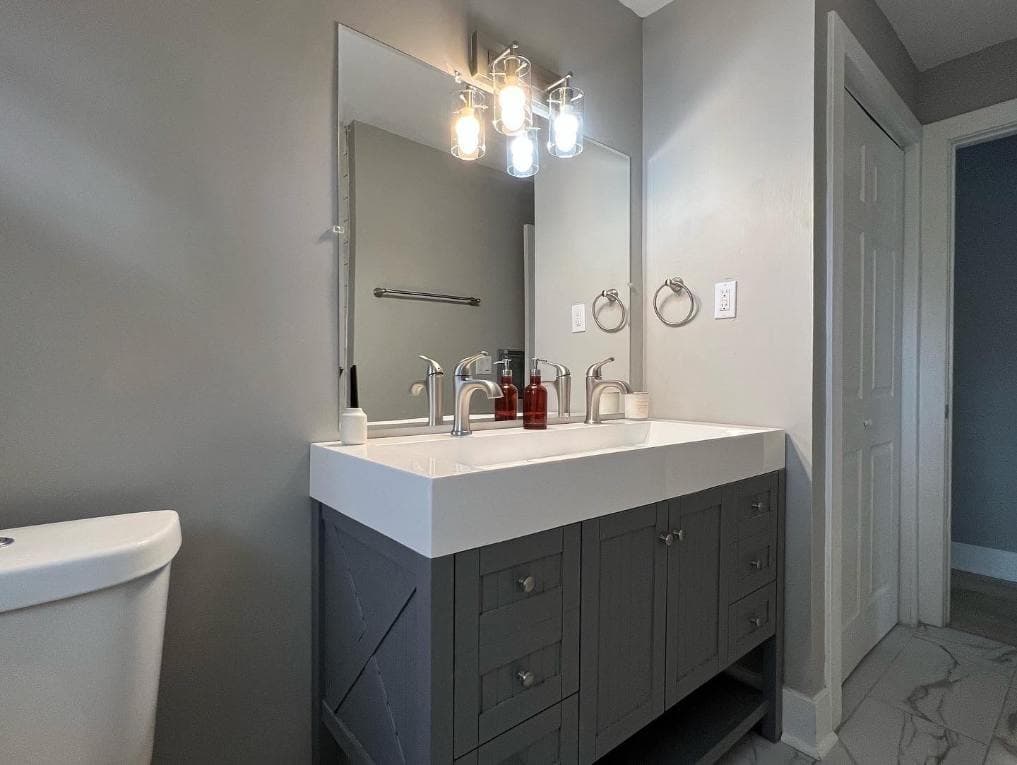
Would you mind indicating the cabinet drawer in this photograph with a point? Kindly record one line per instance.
(516, 632)
(754, 564)
(549, 738)
(751, 621)
(756, 506)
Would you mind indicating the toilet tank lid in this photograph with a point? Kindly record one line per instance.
(60, 560)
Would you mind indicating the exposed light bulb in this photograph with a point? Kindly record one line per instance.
(468, 133)
(522, 149)
(566, 132)
(512, 105)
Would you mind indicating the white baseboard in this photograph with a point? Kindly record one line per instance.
(999, 564)
(808, 723)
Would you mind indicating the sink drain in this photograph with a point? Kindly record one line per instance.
(6, 541)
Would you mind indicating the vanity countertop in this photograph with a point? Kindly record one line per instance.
(440, 495)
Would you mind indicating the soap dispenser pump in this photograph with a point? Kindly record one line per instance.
(506, 407)
(535, 401)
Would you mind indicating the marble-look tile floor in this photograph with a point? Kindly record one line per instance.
(923, 695)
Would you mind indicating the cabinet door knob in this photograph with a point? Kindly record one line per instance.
(667, 538)
(757, 564)
(680, 533)
(758, 507)
(756, 622)
(526, 678)
(526, 583)
(866, 424)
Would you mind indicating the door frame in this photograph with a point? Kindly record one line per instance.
(850, 68)
(939, 153)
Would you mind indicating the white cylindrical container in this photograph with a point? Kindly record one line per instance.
(352, 426)
(637, 405)
(82, 611)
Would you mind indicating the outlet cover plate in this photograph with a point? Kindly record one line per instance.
(579, 317)
(725, 300)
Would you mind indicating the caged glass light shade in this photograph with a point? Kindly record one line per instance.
(469, 137)
(523, 153)
(513, 98)
(565, 121)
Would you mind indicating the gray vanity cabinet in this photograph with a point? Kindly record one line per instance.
(695, 627)
(609, 639)
(624, 585)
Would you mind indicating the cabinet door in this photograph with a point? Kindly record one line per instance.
(694, 621)
(624, 572)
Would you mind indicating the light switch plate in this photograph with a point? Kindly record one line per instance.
(725, 300)
(483, 366)
(579, 317)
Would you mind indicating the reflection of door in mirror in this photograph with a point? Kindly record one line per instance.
(425, 221)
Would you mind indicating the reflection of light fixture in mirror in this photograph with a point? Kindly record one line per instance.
(522, 153)
(513, 108)
(565, 119)
(468, 131)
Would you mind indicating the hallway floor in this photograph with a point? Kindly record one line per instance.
(923, 695)
(984, 606)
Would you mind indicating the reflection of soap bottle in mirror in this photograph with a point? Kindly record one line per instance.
(535, 402)
(506, 407)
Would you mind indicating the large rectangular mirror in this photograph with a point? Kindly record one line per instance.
(507, 257)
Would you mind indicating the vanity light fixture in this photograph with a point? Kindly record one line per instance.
(469, 140)
(510, 78)
(523, 154)
(564, 119)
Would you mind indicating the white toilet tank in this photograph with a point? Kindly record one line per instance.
(82, 611)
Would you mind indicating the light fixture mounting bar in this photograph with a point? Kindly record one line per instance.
(485, 51)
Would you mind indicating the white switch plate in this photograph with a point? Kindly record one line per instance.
(579, 317)
(484, 365)
(725, 300)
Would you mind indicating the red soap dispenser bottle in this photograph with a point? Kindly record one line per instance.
(535, 402)
(506, 407)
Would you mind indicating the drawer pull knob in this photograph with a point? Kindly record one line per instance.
(759, 507)
(667, 538)
(680, 533)
(756, 622)
(526, 583)
(526, 678)
(756, 564)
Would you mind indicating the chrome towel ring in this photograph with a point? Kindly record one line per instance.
(677, 286)
(611, 296)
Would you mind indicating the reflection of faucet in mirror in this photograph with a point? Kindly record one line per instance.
(562, 388)
(465, 387)
(595, 387)
(432, 386)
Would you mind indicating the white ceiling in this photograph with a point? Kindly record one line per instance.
(645, 7)
(935, 31)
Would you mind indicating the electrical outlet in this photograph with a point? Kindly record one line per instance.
(579, 317)
(725, 300)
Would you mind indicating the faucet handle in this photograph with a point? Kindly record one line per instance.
(594, 369)
(463, 367)
(560, 369)
(433, 367)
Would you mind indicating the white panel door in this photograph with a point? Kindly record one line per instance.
(872, 273)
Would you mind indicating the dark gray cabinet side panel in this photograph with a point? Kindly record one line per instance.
(773, 652)
(624, 572)
(376, 645)
(694, 620)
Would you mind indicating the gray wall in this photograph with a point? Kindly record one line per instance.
(985, 347)
(424, 220)
(728, 108)
(981, 79)
(168, 299)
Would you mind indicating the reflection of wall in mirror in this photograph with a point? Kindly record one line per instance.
(582, 247)
(423, 220)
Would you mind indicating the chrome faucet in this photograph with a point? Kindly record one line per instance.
(562, 388)
(465, 387)
(432, 386)
(595, 387)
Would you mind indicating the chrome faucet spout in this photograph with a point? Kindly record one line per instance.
(595, 387)
(465, 387)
